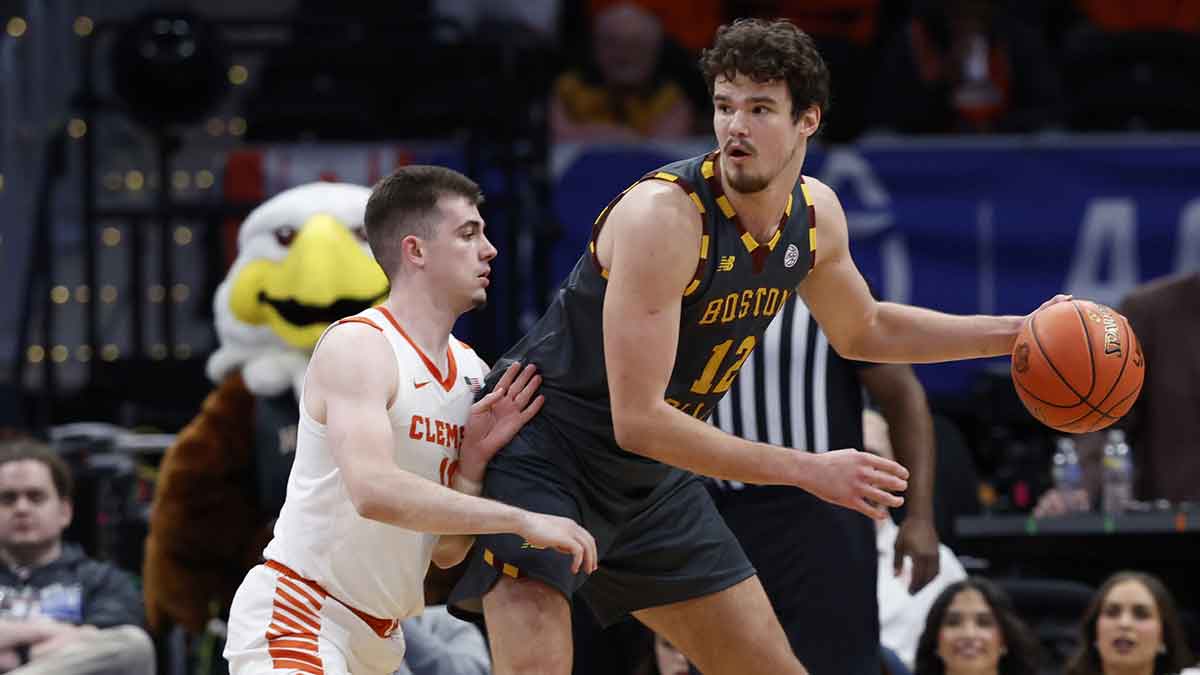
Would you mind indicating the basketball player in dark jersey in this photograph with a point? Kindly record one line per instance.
(684, 271)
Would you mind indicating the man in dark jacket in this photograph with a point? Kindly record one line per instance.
(60, 612)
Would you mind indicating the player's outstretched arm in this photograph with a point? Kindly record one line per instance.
(494, 420)
(350, 385)
(862, 328)
(650, 246)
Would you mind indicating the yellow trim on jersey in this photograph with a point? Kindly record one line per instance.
(663, 175)
(775, 239)
(706, 169)
(691, 287)
(807, 197)
(726, 207)
(748, 240)
(488, 557)
(704, 247)
(696, 199)
(788, 209)
(511, 570)
(812, 239)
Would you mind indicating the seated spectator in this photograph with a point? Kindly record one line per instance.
(1131, 627)
(1162, 423)
(439, 644)
(846, 33)
(972, 628)
(962, 67)
(624, 97)
(60, 612)
(663, 658)
(1181, 16)
(901, 612)
(692, 24)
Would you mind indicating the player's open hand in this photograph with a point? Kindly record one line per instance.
(860, 481)
(497, 417)
(563, 535)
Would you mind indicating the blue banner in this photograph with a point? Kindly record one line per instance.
(994, 226)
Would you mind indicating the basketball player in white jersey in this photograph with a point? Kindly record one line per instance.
(391, 451)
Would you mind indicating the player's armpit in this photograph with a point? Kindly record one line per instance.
(650, 246)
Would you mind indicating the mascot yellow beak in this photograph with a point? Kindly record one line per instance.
(326, 276)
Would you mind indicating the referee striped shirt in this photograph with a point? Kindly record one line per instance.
(795, 390)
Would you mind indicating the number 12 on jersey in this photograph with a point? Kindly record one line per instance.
(705, 385)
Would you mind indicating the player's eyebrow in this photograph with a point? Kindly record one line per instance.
(761, 98)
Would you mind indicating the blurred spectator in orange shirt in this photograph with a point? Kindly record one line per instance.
(625, 96)
(961, 66)
(1117, 16)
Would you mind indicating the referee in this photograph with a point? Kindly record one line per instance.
(817, 561)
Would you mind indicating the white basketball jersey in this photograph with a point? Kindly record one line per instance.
(371, 566)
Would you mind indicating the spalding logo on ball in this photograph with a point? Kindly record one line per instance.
(1077, 366)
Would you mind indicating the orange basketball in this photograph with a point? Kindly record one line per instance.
(1077, 366)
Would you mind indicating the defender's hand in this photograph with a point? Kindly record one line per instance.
(563, 535)
(497, 417)
(859, 481)
(917, 539)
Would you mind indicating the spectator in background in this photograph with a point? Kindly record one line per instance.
(1163, 424)
(439, 644)
(1180, 16)
(662, 658)
(961, 66)
(846, 34)
(902, 609)
(624, 97)
(60, 612)
(1131, 627)
(692, 24)
(973, 629)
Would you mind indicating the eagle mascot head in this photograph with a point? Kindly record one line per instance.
(303, 262)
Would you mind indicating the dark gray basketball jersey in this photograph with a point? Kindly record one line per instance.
(740, 284)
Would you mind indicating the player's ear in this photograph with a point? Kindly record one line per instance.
(412, 250)
(810, 121)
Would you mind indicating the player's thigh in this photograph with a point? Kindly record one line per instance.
(726, 632)
(521, 613)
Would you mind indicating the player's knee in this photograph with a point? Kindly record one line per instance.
(536, 602)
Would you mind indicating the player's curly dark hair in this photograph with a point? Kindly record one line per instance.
(770, 50)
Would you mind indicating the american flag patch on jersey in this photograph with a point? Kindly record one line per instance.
(474, 383)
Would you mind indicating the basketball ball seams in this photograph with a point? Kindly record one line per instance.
(1048, 404)
(1124, 363)
(1087, 337)
(1033, 332)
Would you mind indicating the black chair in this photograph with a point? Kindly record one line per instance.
(1052, 608)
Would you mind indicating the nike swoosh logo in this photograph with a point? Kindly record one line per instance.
(418, 385)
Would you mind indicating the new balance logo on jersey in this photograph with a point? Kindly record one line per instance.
(526, 544)
(726, 263)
